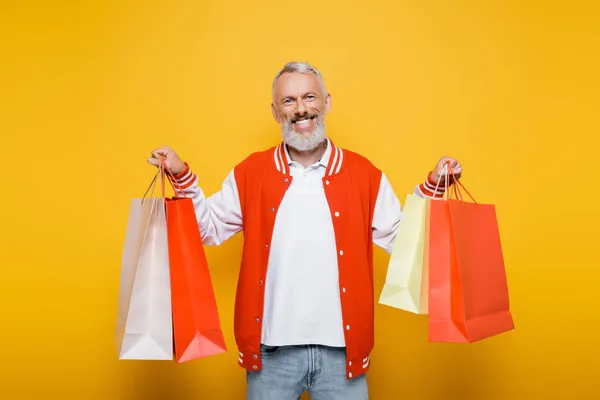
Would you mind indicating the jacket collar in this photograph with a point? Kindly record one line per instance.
(332, 158)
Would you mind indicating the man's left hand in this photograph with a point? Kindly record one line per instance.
(438, 171)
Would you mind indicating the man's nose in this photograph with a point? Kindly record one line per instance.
(300, 109)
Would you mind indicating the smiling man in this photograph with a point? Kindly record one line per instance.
(311, 212)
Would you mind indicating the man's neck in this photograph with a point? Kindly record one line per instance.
(309, 157)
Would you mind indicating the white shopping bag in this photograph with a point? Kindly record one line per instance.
(406, 284)
(144, 326)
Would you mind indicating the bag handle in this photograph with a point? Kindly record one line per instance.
(444, 170)
(152, 185)
(164, 168)
(160, 171)
(458, 184)
(447, 171)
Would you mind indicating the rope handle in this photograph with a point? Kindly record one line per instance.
(460, 185)
(161, 172)
(447, 171)
(152, 185)
(171, 181)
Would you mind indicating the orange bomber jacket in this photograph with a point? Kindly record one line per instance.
(351, 184)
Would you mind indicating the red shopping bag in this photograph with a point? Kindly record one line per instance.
(468, 290)
(196, 324)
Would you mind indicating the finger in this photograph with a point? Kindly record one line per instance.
(160, 152)
(153, 161)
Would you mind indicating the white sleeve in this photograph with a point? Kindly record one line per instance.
(388, 210)
(386, 216)
(219, 216)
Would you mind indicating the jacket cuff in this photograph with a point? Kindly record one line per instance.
(428, 187)
(184, 179)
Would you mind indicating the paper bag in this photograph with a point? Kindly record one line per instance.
(406, 284)
(196, 322)
(468, 290)
(144, 325)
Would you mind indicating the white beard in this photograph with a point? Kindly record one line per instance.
(299, 141)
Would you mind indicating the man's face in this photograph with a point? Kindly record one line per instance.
(300, 106)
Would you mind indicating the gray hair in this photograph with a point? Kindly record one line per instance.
(303, 68)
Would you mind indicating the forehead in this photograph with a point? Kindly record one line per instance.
(296, 83)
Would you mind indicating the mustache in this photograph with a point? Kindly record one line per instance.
(298, 117)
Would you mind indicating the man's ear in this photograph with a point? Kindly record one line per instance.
(327, 103)
(275, 113)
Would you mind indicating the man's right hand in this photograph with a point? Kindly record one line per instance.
(172, 160)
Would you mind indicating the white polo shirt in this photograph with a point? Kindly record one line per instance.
(302, 295)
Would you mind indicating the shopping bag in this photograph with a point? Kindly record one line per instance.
(406, 284)
(196, 323)
(144, 323)
(468, 290)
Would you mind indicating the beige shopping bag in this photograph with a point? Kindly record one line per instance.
(407, 275)
(144, 324)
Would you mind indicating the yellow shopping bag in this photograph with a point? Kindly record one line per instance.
(406, 284)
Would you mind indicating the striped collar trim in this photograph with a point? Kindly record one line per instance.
(279, 156)
(334, 164)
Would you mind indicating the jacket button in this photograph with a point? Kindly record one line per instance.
(337, 214)
(254, 367)
(327, 182)
(285, 179)
(341, 252)
(350, 363)
(350, 374)
(261, 281)
(272, 209)
(266, 246)
(257, 319)
(255, 356)
(347, 327)
(344, 289)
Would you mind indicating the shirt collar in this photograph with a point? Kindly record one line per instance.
(324, 158)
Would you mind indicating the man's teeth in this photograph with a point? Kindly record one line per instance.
(303, 122)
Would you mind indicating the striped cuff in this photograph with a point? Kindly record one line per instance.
(184, 179)
(428, 188)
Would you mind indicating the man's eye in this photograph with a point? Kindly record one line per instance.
(287, 101)
(311, 97)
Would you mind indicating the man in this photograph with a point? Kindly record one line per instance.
(311, 212)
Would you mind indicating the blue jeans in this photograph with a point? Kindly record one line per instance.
(288, 371)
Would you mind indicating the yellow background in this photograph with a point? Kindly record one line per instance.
(88, 88)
